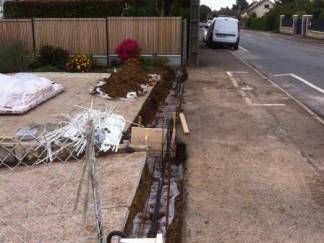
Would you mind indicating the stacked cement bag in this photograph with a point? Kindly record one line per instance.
(22, 92)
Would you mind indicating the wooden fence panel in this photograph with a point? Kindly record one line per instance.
(156, 35)
(17, 30)
(75, 35)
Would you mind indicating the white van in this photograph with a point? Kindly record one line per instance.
(224, 31)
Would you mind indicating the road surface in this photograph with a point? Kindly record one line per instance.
(295, 63)
(255, 168)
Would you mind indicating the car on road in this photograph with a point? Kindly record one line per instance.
(203, 31)
(224, 31)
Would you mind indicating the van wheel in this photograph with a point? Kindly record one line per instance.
(236, 46)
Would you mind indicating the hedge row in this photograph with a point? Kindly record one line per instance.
(65, 9)
(263, 23)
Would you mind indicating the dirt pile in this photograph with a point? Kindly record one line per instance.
(129, 78)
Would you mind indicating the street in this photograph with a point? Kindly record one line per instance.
(294, 63)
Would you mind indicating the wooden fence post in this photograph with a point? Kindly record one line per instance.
(107, 41)
(33, 34)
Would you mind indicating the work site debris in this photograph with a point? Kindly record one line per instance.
(125, 82)
(22, 92)
(108, 126)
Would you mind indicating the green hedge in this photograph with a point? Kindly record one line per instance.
(263, 23)
(68, 9)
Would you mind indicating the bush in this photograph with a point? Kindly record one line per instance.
(146, 8)
(154, 61)
(53, 56)
(127, 49)
(321, 15)
(63, 9)
(263, 23)
(11, 57)
(80, 63)
(46, 69)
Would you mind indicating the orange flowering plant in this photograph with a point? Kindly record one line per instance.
(80, 63)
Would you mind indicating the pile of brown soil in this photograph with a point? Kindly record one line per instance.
(128, 79)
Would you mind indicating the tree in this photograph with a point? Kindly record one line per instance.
(240, 6)
(204, 12)
(224, 12)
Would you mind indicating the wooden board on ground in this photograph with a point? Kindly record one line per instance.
(152, 137)
(184, 124)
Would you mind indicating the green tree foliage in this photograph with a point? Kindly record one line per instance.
(240, 5)
(96, 8)
(224, 12)
(288, 7)
(204, 12)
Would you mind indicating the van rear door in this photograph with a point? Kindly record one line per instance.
(226, 28)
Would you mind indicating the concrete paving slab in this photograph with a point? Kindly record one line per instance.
(77, 87)
(38, 203)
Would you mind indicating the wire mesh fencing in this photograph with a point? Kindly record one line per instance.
(49, 191)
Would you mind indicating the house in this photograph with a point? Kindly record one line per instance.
(1, 8)
(259, 8)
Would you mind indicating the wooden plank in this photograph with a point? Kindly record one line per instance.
(153, 138)
(184, 124)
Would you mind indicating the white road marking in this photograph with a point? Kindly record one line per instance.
(298, 102)
(242, 93)
(243, 49)
(302, 80)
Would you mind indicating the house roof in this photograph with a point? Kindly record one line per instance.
(256, 4)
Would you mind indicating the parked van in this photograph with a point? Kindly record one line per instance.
(224, 31)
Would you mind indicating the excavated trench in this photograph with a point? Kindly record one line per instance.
(158, 204)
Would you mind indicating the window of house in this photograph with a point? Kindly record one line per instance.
(267, 6)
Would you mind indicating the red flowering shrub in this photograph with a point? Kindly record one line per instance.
(127, 49)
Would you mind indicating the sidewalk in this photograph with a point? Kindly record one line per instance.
(255, 169)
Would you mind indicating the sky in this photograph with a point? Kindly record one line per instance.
(217, 4)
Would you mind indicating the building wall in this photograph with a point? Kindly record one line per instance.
(312, 33)
(1, 8)
(315, 34)
(287, 30)
(261, 10)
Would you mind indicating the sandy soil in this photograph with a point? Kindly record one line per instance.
(77, 87)
(38, 204)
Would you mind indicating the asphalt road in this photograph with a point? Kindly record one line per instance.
(254, 173)
(295, 63)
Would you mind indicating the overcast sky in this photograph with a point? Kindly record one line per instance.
(217, 4)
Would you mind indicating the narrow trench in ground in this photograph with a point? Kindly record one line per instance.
(158, 205)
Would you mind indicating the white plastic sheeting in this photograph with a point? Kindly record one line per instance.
(108, 126)
(23, 91)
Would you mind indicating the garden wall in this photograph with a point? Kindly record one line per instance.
(287, 30)
(315, 34)
(97, 36)
(314, 28)
(287, 25)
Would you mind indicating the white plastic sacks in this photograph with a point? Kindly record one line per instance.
(23, 91)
